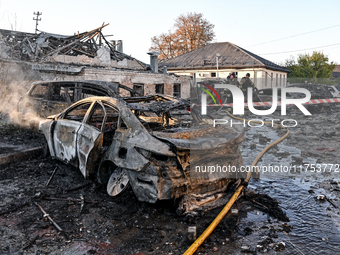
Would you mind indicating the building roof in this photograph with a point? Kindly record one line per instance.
(231, 57)
(41, 47)
(337, 68)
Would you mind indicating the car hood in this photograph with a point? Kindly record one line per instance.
(202, 137)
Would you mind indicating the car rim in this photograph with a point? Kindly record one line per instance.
(118, 182)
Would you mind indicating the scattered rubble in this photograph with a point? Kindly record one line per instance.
(125, 225)
(88, 47)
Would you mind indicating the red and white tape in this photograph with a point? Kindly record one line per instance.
(313, 101)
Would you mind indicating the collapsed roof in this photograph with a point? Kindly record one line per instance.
(45, 47)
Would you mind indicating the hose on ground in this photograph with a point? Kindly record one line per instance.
(232, 200)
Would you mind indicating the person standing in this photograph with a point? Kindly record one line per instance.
(247, 83)
(233, 81)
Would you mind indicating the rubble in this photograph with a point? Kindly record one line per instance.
(88, 47)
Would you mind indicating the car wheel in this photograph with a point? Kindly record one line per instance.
(118, 182)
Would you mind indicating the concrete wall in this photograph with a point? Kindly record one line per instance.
(149, 80)
(97, 61)
(125, 77)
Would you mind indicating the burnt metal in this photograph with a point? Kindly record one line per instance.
(140, 136)
(318, 91)
(51, 97)
(49, 217)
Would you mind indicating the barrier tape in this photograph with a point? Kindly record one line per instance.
(313, 101)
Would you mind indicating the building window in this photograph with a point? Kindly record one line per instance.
(139, 88)
(280, 80)
(177, 90)
(212, 74)
(159, 89)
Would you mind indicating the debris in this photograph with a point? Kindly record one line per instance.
(282, 153)
(82, 202)
(214, 249)
(71, 199)
(287, 228)
(280, 246)
(245, 247)
(266, 241)
(320, 197)
(48, 216)
(331, 202)
(37, 195)
(46, 46)
(321, 149)
(259, 204)
(192, 235)
(234, 212)
(267, 204)
(48, 182)
(263, 140)
(298, 160)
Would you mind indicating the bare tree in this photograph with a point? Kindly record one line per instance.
(191, 31)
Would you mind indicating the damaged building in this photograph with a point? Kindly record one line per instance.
(85, 56)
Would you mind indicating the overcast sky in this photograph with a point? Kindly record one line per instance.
(244, 23)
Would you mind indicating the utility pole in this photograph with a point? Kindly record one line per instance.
(36, 20)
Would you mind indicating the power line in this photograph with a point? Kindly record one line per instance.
(301, 50)
(294, 35)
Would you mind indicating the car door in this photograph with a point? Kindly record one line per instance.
(90, 139)
(65, 133)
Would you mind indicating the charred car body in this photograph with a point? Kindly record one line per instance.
(317, 91)
(136, 141)
(51, 97)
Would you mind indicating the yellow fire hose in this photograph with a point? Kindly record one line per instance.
(232, 200)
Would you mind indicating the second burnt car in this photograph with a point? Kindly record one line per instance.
(136, 142)
(50, 97)
(317, 91)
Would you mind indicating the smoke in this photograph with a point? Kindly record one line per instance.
(14, 84)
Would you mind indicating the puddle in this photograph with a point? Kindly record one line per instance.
(315, 223)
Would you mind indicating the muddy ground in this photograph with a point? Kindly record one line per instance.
(126, 226)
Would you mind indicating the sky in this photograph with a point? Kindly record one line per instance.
(257, 26)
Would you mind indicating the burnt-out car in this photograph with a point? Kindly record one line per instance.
(51, 97)
(267, 94)
(317, 91)
(136, 141)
